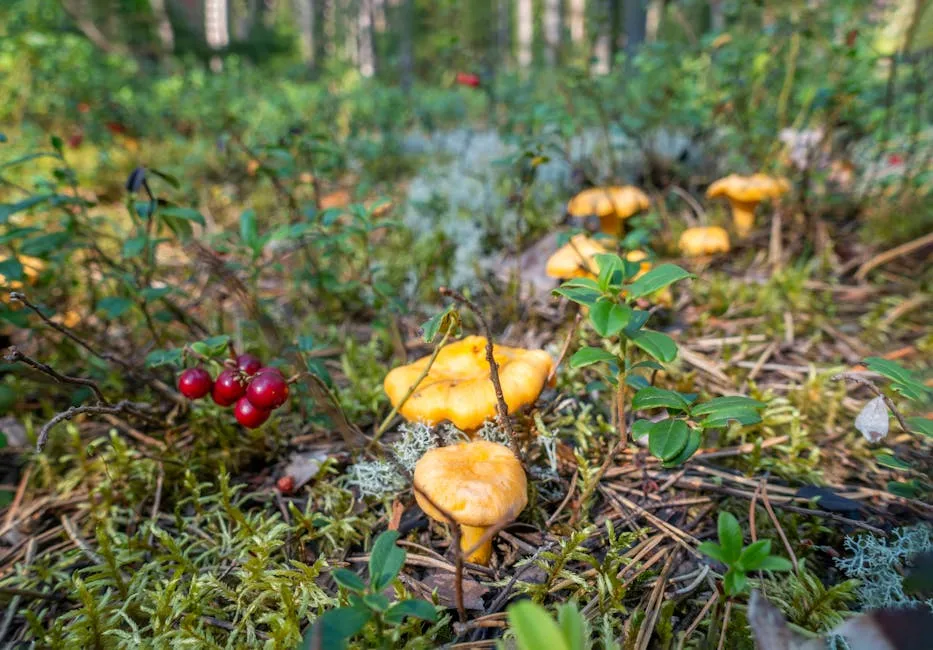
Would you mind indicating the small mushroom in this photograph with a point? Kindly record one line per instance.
(744, 194)
(708, 240)
(479, 484)
(576, 259)
(611, 204)
(458, 387)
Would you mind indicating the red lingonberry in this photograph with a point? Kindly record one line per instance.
(286, 484)
(248, 414)
(248, 363)
(228, 388)
(268, 390)
(270, 369)
(195, 383)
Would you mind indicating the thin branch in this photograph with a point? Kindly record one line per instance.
(867, 383)
(411, 390)
(502, 407)
(124, 406)
(13, 355)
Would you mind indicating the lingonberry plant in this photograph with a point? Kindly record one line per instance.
(629, 350)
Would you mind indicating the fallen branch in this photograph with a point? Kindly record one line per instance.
(13, 355)
(501, 406)
(124, 406)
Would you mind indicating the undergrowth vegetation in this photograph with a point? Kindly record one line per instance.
(691, 430)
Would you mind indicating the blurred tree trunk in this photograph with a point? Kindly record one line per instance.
(163, 26)
(367, 55)
(717, 18)
(525, 32)
(615, 30)
(216, 29)
(504, 31)
(653, 17)
(634, 25)
(86, 25)
(307, 21)
(605, 32)
(577, 22)
(407, 59)
(552, 30)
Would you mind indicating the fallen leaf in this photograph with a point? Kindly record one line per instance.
(443, 582)
(873, 421)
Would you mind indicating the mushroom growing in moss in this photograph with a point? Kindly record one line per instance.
(708, 240)
(479, 484)
(458, 388)
(611, 204)
(575, 259)
(744, 194)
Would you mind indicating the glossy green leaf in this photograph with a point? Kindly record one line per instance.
(734, 582)
(448, 321)
(902, 380)
(579, 295)
(249, 230)
(349, 580)
(653, 398)
(385, 560)
(694, 441)
(641, 428)
(718, 404)
(572, 625)
(336, 626)
(889, 461)
(411, 608)
(667, 438)
(921, 425)
(730, 536)
(745, 417)
(753, 554)
(608, 317)
(658, 345)
(114, 306)
(534, 628)
(656, 279)
(713, 550)
(589, 356)
(774, 563)
(12, 270)
(376, 602)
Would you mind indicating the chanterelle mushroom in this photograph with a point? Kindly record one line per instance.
(576, 259)
(696, 242)
(611, 204)
(744, 194)
(479, 484)
(458, 388)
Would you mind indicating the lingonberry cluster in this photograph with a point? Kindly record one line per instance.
(252, 389)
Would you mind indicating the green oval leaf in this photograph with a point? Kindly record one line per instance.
(658, 345)
(338, 625)
(415, 608)
(385, 561)
(651, 397)
(608, 318)
(667, 438)
(534, 628)
(656, 279)
(349, 580)
(589, 356)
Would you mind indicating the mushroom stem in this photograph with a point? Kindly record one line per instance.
(743, 215)
(609, 224)
(469, 537)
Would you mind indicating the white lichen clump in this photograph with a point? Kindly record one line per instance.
(875, 561)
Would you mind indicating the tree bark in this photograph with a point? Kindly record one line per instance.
(525, 32)
(717, 17)
(367, 55)
(577, 21)
(552, 27)
(407, 16)
(163, 26)
(305, 11)
(603, 45)
(653, 17)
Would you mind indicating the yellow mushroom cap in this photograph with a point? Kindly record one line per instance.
(695, 242)
(567, 262)
(618, 201)
(748, 189)
(479, 483)
(639, 256)
(458, 388)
